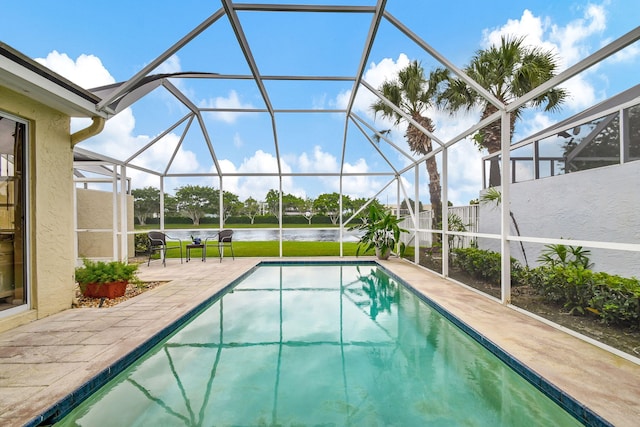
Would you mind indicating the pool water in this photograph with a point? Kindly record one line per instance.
(318, 345)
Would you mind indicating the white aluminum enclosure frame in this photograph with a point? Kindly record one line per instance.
(116, 97)
(103, 170)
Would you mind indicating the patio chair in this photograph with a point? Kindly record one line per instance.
(161, 242)
(223, 239)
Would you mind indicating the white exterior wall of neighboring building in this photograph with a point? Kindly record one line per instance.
(600, 204)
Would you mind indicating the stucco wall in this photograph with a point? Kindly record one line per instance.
(599, 205)
(50, 184)
(95, 211)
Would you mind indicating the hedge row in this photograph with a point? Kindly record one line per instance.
(615, 299)
(483, 265)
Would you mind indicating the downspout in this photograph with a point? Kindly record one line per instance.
(92, 130)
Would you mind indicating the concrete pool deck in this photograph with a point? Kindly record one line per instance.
(44, 361)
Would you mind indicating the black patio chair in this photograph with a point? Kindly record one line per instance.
(223, 239)
(161, 242)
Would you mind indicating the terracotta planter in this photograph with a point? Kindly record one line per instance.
(105, 290)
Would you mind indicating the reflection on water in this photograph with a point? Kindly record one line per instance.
(382, 291)
(303, 345)
(253, 235)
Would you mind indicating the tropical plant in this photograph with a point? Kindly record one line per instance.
(564, 256)
(412, 93)
(455, 224)
(507, 71)
(382, 232)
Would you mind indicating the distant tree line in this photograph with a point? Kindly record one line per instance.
(201, 204)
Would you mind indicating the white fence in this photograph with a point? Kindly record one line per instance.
(461, 218)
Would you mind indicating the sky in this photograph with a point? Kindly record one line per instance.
(98, 43)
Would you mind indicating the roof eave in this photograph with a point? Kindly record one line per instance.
(23, 75)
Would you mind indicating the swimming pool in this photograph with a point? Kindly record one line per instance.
(313, 344)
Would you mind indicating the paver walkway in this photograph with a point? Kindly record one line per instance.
(42, 362)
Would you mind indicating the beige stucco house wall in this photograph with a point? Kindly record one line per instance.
(50, 184)
(46, 102)
(95, 211)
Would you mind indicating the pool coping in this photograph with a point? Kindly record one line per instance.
(61, 408)
(567, 402)
(578, 410)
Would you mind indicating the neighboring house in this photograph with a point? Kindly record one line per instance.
(579, 180)
(37, 253)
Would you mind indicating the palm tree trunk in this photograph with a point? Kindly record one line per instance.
(435, 191)
(421, 143)
(491, 137)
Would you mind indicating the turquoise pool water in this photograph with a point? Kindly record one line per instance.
(318, 345)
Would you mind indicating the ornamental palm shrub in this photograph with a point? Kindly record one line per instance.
(565, 255)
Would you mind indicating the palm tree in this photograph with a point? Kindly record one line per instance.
(508, 72)
(413, 94)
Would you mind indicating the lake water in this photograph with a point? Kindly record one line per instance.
(262, 234)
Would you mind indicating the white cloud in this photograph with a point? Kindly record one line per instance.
(376, 74)
(171, 65)
(237, 140)
(570, 44)
(572, 40)
(258, 186)
(319, 161)
(87, 71)
(628, 54)
(118, 139)
(533, 124)
(529, 26)
(232, 101)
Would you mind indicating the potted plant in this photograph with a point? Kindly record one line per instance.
(382, 233)
(100, 279)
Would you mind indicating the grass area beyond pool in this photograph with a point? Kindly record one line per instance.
(272, 249)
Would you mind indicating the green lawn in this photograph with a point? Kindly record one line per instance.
(272, 249)
(216, 226)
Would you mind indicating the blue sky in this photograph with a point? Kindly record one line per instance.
(97, 43)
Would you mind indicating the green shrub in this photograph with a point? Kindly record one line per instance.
(564, 280)
(616, 299)
(524, 276)
(141, 243)
(485, 265)
(104, 272)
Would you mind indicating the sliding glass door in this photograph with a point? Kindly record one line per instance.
(13, 290)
